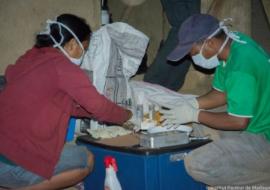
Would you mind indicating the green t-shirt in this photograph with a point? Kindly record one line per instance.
(245, 78)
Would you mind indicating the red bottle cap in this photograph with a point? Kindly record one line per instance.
(110, 161)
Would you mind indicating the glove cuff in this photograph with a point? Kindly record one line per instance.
(193, 102)
(196, 115)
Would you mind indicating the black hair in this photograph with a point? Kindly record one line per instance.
(78, 25)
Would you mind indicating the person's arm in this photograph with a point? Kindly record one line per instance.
(191, 113)
(75, 83)
(78, 111)
(222, 121)
(212, 99)
(98, 106)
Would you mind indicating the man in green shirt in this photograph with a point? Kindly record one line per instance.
(241, 82)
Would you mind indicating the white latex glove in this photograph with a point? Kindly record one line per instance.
(193, 102)
(179, 115)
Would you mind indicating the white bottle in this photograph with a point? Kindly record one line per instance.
(111, 180)
(105, 17)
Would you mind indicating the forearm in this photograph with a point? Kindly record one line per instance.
(222, 121)
(212, 99)
(78, 111)
(89, 103)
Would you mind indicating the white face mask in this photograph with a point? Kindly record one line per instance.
(76, 61)
(211, 62)
(203, 62)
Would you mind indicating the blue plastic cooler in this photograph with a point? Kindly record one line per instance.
(143, 169)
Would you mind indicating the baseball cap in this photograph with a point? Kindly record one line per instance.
(195, 28)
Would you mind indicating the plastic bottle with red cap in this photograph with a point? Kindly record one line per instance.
(111, 180)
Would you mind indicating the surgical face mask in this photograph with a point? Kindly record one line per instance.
(76, 61)
(211, 62)
(200, 60)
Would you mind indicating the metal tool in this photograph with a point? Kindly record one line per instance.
(163, 139)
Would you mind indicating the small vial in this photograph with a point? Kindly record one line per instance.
(129, 102)
(126, 103)
(156, 107)
(151, 109)
(139, 113)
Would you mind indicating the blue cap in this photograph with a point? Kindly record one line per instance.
(193, 29)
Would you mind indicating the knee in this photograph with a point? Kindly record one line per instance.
(89, 164)
(189, 165)
(202, 169)
(196, 168)
(90, 161)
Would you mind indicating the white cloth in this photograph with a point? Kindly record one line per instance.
(109, 40)
(159, 95)
(114, 55)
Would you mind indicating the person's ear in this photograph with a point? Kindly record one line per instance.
(70, 46)
(212, 44)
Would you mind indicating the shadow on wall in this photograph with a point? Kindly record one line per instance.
(21, 20)
(260, 27)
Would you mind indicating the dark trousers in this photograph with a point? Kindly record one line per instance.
(172, 74)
